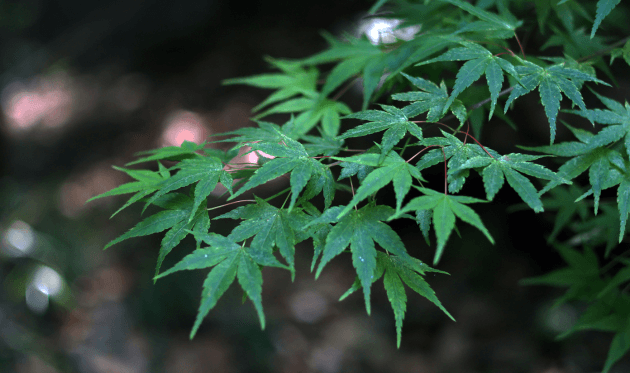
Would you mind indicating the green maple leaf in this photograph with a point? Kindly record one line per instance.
(172, 153)
(392, 120)
(420, 47)
(607, 167)
(393, 169)
(322, 180)
(480, 62)
(505, 22)
(361, 229)
(296, 92)
(609, 308)
(599, 316)
(456, 153)
(230, 261)
(617, 120)
(606, 228)
(355, 54)
(175, 218)
(270, 227)
(265, 131)
(146, 183)
(293, 81)
(586, 154)
(511, 166)
(551, 82)
(328, 112)
(358, 56)
(604, 7)
(291, 156)
(621, 52)
(618, 347)
(399, 270)
(563, 200)
(431, 99)
(581, 276)
(317, 228)
(445, 208)
(322, 145)
(203, 170)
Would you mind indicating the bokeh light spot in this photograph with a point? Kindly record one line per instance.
(47, 280)
(36, 300)
(46, 100)
(384, 31)
(18, 239)
(183, 126)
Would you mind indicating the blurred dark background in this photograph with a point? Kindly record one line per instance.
(85, 85)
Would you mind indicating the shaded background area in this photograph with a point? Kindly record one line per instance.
(85, 85)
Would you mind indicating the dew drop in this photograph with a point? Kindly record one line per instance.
(363, 260)
(205, 256)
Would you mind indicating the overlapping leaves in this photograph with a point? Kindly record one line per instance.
(393, 169)
(291, 156)
(456, 152)
(510, 167)
(175, 217)
(296, 92)
(609, 308)
(606, 165)
(230, 261)
(551, 82)
(392, 120)
(398, 271)
(270, 227)
(444, 209)
(361, 229)
(480, 62)
(431, 99)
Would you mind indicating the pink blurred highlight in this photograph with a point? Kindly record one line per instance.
(49, 102)
(184, 126)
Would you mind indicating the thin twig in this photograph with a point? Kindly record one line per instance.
(519, 44)
(605, 50)
(481, 103)
(467, 130)
(230, 203)
(345, 89)
(471, 136)
(445, 173)
(418, 153)
(352, 188)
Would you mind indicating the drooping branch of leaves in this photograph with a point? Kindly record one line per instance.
(309, 150)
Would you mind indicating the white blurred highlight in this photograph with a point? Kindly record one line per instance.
(384, 31)
(561, 318)
(47, 280)
(183, 126)
(45, 283)
(308, 306)
(18, 240)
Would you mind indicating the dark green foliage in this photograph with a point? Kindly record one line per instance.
(460, 42)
